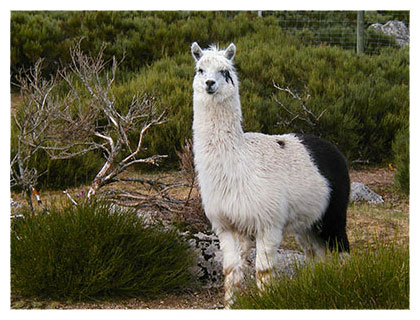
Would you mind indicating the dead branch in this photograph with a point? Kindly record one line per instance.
(97, 122)
(86, 119)
(161, 197)
(186, 163)
(70, 198)
(305, 114)
(169, 208)
(32, 119)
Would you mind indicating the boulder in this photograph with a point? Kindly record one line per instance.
(209, 266)
(394, 28)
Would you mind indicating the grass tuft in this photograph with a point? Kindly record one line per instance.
(96, 251)
(369, 279)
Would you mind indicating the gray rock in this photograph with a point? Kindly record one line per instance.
(394, 28)
(361, 192)
(209, 259)
(209, 266)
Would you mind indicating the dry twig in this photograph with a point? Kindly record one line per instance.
(87, 119)
(306, 115)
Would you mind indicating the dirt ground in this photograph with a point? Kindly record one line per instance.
(373, 177)
(390, 218)
(205, 299)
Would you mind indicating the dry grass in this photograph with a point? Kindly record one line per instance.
(366, 222)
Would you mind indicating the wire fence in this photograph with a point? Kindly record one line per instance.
(339, 28)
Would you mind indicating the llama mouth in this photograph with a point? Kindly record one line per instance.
(210, 91)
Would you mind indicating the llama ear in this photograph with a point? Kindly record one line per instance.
(230, 52)
(196, 51)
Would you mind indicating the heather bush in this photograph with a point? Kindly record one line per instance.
(147, 36)
(93, 251)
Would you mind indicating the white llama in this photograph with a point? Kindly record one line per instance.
(259, 186)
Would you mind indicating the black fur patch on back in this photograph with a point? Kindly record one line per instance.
(333, 166)
(281, 143)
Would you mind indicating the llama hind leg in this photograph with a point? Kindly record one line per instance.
(245, 246)
(267, 256)
(230, 244)
(312, 245)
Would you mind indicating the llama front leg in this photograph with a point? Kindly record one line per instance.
(230, 245)
(267, 244)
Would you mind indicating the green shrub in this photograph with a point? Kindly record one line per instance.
(368, 279)
(401, 151)
(147, 36)
(95, 251)
(365, 98)
(170, 80)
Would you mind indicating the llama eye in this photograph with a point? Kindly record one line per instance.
(226, 75)
(200, 71)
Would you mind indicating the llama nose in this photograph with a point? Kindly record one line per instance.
(210, 83)
(210, 86)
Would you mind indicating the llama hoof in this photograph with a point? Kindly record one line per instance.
(229, 300)
(264, 277)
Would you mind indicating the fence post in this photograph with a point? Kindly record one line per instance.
(360, 27)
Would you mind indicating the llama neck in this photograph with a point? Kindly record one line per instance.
(218, 124)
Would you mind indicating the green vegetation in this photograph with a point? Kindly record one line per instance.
(363, 99)
(368, 279)
(147, 36)
(401, 151)
(95, 251)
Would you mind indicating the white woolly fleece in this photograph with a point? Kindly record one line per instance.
(247, 180)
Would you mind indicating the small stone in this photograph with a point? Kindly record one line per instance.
(361, 192)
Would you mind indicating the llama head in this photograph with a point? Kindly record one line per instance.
(215, 75)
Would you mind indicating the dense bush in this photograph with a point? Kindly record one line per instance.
(363, 99)
(401, 151)
(143, 36)
(147, 36)
(368, 279)
(95, 251)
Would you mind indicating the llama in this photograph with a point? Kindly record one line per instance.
(258, 186)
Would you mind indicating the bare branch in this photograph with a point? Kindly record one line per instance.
(32, 118)
(308, 115)
(86, 119)
(70, 198)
